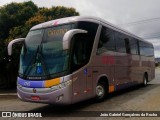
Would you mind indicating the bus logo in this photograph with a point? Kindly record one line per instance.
(27, 84)
(34, 90)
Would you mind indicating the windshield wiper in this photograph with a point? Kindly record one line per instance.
(28, 69)
(43, 63)
(37, 57)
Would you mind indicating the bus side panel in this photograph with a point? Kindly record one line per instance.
(152, 68)
(144, 67)
(122, 70)
(135, 70)
(83, 84)
(78, 86)
(103, 66)
(148, 65)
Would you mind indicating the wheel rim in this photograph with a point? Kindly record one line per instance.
(100, 91)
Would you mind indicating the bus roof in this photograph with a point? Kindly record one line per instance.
(83, 18)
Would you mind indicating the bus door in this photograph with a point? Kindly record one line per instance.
(82, 84)
(82, 78)
(79, 85)
(81, 53)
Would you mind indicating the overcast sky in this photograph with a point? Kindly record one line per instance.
(141, 17)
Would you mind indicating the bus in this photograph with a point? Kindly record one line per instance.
(68, 60)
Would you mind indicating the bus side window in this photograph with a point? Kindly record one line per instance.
(83, 44)
(106, 41)
(146, 49)
(79, 51)
(142, 48)
(120, 42)
(134, 46)
(123, 44)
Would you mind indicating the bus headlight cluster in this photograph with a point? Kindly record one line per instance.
(62, 85)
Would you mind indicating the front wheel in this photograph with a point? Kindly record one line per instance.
(100, 92)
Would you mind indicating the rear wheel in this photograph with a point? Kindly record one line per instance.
(101, 92)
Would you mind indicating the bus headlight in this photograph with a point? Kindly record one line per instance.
(62, 85)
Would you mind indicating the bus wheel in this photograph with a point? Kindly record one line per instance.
(100, 92)
(145, 80)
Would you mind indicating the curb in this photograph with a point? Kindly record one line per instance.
(8, 94)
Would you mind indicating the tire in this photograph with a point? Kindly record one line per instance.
(101, 92)
(145, 80)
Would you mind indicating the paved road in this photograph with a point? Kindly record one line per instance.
(133, 99)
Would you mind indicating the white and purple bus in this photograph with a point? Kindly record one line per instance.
(68, 60)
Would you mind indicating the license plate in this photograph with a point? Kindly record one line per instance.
(35, 98)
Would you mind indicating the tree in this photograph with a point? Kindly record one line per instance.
(15, 14)
(42, 15)
(16, 19)
(57, 12)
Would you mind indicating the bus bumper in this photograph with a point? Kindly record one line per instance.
(46, 95)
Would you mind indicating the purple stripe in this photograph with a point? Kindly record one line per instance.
(31, 84)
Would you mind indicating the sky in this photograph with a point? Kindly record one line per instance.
(140, 17)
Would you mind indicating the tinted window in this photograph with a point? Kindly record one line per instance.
(82, 44)
(146, 49)
(134, 46)
(121, 42)
(106, 41)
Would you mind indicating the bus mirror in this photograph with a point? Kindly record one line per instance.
(68, 36)
(9, 48)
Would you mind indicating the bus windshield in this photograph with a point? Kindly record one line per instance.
(43, 54)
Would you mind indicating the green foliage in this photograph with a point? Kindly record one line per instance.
(16, 19)
(15, 14)
(39, 16)
(57, 12)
